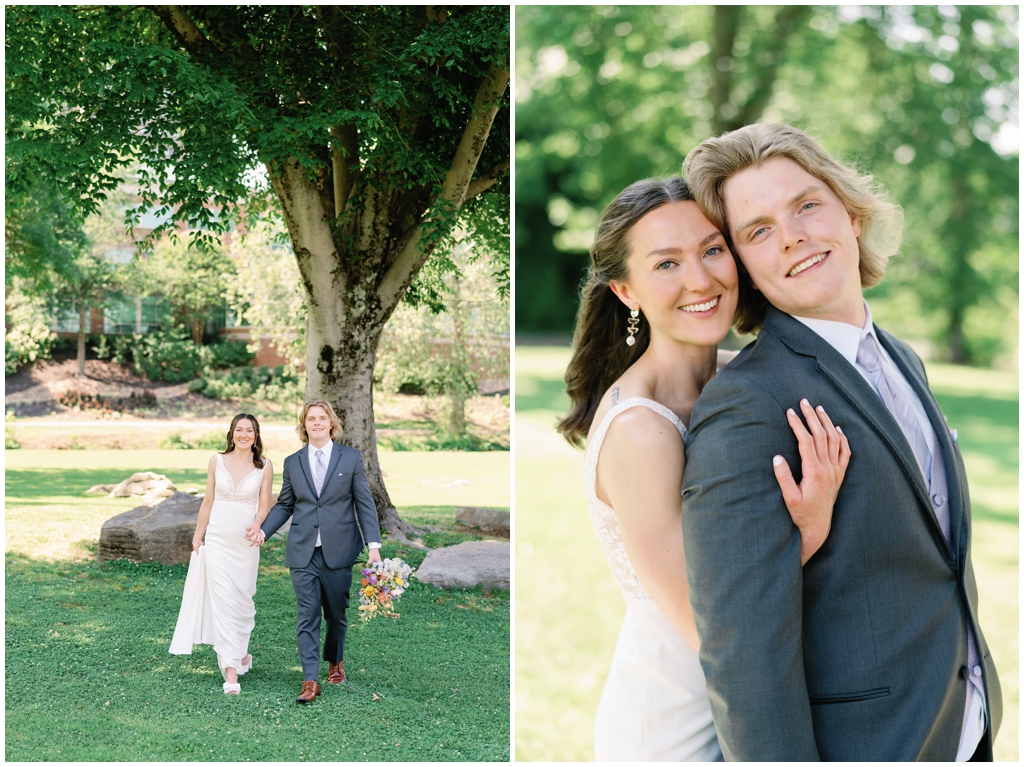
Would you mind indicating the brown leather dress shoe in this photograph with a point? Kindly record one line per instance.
(336, 675)
(310, 689)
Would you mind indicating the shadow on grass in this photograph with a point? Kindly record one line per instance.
(64, 481)
(442, 530)
(432, 686)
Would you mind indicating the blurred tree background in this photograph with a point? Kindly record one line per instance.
(925, 98)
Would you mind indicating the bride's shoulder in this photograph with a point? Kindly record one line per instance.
(643, 433)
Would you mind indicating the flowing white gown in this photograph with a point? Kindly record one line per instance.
(217, 607)
(654, 706)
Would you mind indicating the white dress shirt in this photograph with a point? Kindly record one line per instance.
(846, 339)
(311, 456)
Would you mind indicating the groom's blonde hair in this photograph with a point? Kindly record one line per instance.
(335, 421)
(717, 159)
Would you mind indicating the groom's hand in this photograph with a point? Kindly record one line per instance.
(374, 555)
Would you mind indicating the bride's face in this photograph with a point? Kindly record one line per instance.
(244, 435)
(681, 275)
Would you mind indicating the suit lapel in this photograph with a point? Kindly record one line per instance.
(938, 422)
(855, 390)
(332, 466)
(303, 456)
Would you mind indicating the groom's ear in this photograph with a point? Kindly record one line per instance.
(621, 289)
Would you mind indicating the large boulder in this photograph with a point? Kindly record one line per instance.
(493, 521)
(147, 484)
(468, 564)
(161, 533)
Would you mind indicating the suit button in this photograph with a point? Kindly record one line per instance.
(963, 672)
(315, 526)
(938, 500)
(976, 670)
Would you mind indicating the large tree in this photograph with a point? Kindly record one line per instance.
(373, 125)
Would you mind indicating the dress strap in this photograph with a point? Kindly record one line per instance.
(598, 438)
(593, 450)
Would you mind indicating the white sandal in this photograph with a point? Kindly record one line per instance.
(232, 689)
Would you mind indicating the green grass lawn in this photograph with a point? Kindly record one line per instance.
(569, 609)
(89, 678)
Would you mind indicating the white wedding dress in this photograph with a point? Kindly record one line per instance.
(217, 607)
(654, 706)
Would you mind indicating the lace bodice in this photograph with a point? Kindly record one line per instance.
(606, 525)
(248, 490)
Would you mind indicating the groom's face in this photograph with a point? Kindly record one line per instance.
(797, 240)
(318, 425)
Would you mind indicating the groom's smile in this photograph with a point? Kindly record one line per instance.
(797, 240)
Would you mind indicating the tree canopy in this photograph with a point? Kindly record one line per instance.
(923, 97)
(367, 128)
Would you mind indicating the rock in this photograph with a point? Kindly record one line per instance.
(495, 521)
(100, 489)
(468, 564)
(144, 483)
(160, 533)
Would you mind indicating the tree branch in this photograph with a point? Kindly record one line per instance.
(487, 180)
(456, 183)
(343, 158)
(726, 26)
(785, 22)
(183, 28)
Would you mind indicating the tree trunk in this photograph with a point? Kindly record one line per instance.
(83, 314)
(343, 329)
(962, 281)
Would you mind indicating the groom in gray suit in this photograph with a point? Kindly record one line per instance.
(325, 492)
(871, 651)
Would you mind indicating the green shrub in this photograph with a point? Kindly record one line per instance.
(282, 384)
(210, 441)
(197, 384)
(27, 335)
(174, 442)
(10, 443)
(227, 354)
(469, 443)
(166, 355)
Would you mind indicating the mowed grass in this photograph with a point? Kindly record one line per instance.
(569, 609)
(89, 678)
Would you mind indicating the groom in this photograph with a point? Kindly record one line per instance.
(871, 651)
(325, 491)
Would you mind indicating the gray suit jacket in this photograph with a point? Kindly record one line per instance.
(861, 654)
(344, 514)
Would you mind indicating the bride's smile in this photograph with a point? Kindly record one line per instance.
(682, 276)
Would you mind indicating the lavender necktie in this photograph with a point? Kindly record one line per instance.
(321, 470)
(898, 404)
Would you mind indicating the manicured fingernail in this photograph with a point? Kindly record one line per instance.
(820, 409)
(805, 402)
(839, 430)
(790, 412)
(777, 460)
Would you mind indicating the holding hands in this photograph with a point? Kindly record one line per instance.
(254, 534)
(824, 456)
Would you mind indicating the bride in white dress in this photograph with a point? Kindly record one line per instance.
(217, 606)
(661, 294)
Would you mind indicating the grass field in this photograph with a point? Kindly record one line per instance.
(89, 678)
(568, 608)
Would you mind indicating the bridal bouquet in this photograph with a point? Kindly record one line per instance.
(382, 584)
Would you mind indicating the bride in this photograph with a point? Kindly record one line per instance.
(660, 295)
(217, 606)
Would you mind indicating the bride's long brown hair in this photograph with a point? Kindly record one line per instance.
(600, 354)
(257, 443)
